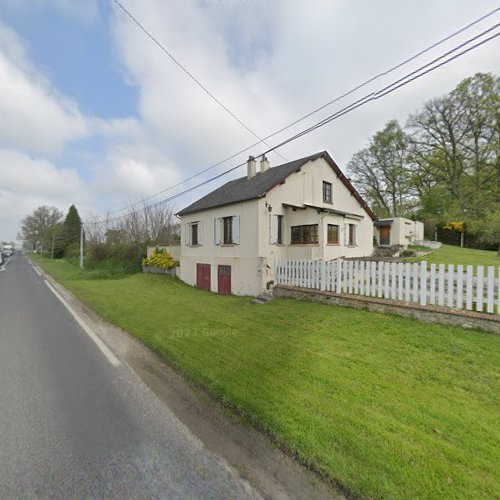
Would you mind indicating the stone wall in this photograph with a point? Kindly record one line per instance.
(427, 314)
(159, 270)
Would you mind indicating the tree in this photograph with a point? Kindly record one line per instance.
(487, 229)
(455, 145)
(71, 230)
(381, 172)
(35, 226)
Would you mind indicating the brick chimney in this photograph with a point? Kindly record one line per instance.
(264, 164)
(251, 167)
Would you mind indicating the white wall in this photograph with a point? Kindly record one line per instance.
(243, 257)
(404, 231)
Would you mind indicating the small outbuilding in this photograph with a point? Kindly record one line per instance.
(398, 231)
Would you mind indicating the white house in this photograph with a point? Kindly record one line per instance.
(398, 231)
(305, 209)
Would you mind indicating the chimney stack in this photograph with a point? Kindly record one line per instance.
(251, 167)
(264, 164)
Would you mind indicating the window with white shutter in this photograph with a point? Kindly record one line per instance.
(273, 229)
(217, 231)
(187, 235)
(200, 233)
(236, 230)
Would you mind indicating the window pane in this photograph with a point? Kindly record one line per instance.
(351, 234)
(304, 234)
(327, 192)
(333, 234)
(279, 238)
(228, 230)
(194, 234)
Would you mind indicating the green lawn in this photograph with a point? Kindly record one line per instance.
(386, 406)
(449, 254)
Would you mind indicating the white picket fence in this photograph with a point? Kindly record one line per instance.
(475, 288)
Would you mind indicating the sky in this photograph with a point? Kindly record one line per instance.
(93, 113)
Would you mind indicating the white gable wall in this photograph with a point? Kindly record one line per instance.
(306, 187)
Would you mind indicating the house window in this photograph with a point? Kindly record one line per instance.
(327, 192)
(275, 229)
(279, 235)
(307, 234)
(352, 235)
(227, 230)
(333, 234)
(194, 234)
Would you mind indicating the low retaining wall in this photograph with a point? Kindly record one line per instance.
(427, 314)
(159, 270)
(435, 245)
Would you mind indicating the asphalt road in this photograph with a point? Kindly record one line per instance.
(73, 425)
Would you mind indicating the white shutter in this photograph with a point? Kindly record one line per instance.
(187, 236)
(236, 229)
(273, 229)
(346, 234)
(217, 235)
(200, 233)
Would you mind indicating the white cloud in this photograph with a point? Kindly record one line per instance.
(34, 117)
(27, 183)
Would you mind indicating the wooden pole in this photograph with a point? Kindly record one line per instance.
(53, 243)
(81, 246)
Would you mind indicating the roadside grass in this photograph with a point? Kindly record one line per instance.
(386, 406)
(449, 254)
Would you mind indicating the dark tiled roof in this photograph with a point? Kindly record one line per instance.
(244, 189)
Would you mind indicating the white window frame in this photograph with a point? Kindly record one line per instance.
(188, 236)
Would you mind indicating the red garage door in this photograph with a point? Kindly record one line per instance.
(203, 276)
(224, 276)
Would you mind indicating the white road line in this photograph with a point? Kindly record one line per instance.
(102, 346)
(37, 271)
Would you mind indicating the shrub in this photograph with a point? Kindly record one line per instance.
(160, 258)
(408, 253)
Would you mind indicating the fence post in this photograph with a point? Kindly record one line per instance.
(460, 286)
(479, 288)
(451, 284)
(468, 298)
(441, 285)
(490, 304)
(323, 275)
(338, 284)
(423, 283)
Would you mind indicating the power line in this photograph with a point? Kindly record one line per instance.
(187, 72)
(380, 93)
(320, 108)
(410, 77)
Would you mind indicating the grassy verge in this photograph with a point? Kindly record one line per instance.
(387, 406)
(449, 254)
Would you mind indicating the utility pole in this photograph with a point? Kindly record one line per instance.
(81, 245)
(53, 243)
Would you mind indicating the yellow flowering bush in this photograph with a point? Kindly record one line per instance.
(455, 226)
(160, 258)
